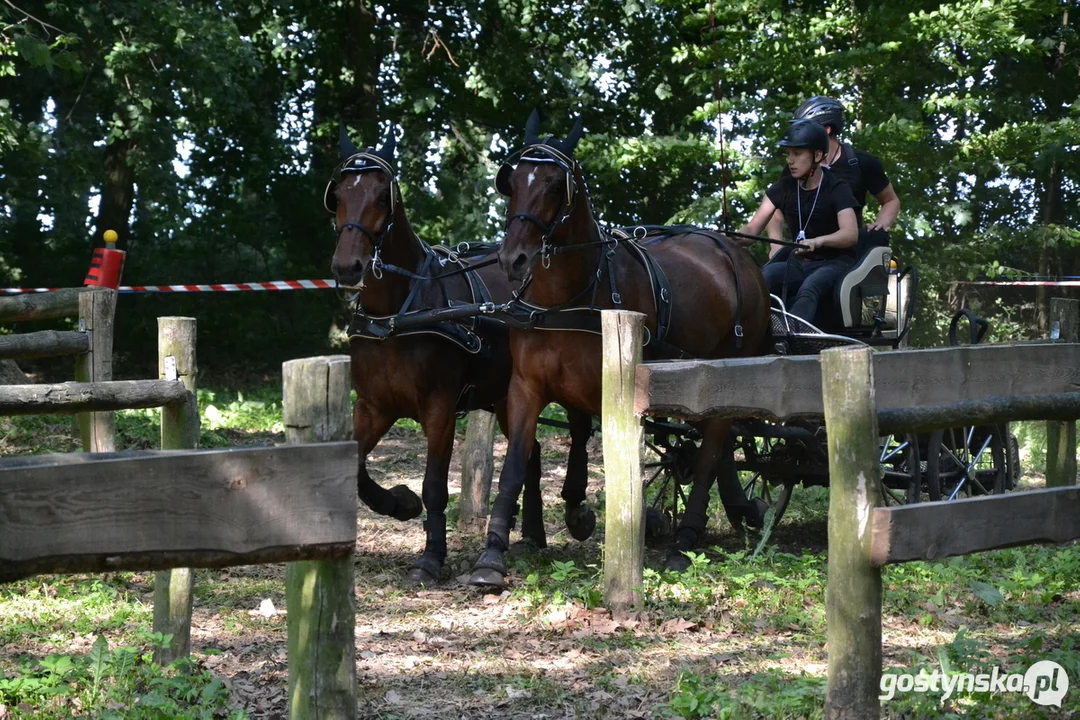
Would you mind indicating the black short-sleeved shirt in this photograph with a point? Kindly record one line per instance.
(862, 171)
(818, 218)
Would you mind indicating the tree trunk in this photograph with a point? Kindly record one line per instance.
(117, 193)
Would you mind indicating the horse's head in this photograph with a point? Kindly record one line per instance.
(363, 202)
(542, 191)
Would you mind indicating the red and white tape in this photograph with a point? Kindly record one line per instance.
(273, 285)
(1021, 283)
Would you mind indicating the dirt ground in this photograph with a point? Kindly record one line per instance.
(454, 652)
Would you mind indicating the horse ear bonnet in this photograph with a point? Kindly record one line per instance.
(502, 179)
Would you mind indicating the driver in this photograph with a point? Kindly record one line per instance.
(819, 211)
(861, 170)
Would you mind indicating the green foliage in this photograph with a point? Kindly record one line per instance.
(208, 132)
(771, 694)
(123, 682)
(564, 583)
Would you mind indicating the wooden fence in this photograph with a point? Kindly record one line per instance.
(92, 345)
(180, 508)
(861, 395)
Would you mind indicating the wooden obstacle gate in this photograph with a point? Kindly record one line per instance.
(861, 395)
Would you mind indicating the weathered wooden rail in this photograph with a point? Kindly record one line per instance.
(861, 395)
(95, 307)
(159, 509)
(174, 510)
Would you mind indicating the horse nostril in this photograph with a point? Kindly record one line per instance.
(520, 262)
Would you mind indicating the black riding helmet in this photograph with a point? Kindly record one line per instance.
(806, 134)
(823, 110)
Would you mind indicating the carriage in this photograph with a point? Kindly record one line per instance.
(714, 304)
(872, 305)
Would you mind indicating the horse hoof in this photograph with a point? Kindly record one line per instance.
(755, 516)
(425, 572)
(678, 562)
(488, 579)
(489, 571)
(657, 524)
(527, 545)
(408, 505)
(420, 578)
(581, 522)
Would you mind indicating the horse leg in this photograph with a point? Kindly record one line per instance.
(399, 502)
(715, 459)
(438, 426)
(532, 504)
(580, 518)
(524, 405)
(716, 449)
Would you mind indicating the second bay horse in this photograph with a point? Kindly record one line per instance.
(714, 303)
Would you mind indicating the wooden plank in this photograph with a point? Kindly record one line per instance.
(853, 592)
(41, 306)
(68, 398)
(47, 343)
(782, 388)
(989, 411)
(174, 589)
(1061, 436)
(97, 310)
(930, 531)
(624, 536)
(208, 508)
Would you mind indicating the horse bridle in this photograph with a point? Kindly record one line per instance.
(358, 163)
(547, 154)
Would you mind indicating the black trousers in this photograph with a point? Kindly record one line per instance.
(809, 282)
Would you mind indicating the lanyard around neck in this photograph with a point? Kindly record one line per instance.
(798, 204)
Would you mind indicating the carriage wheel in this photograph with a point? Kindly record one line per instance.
(901, 470)
(667, 475)
(756, 482)
(969, 462)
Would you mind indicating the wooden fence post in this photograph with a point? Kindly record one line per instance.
(319, 595)
(853, 593)
(1061, 436)
(97, 311)
(174, 589)
(477, 469)
(624, 536)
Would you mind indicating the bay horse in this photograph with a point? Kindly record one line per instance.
(714, 303)
(432, 371)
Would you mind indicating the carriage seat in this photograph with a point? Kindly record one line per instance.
(867, 280)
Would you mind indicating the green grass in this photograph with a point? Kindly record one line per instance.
(1010, 608)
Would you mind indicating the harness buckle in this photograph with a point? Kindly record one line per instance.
(738, 331)
(616, 298)
(545, 258)
(376, 262)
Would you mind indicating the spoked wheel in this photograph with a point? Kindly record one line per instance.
(754, 456)
(668, 472)
(969, 462)
(901, 470)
